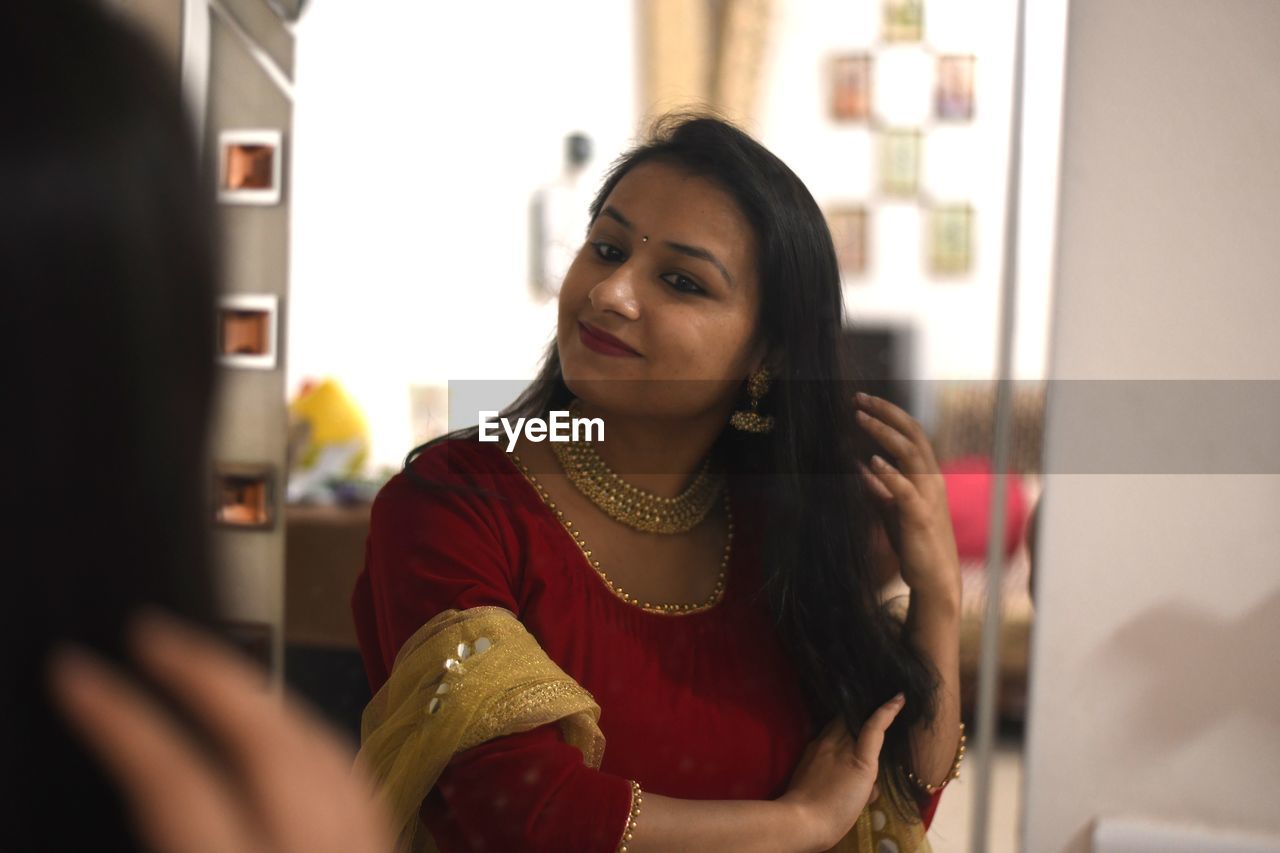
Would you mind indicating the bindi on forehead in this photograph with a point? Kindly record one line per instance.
(684, 212)
(692, 251)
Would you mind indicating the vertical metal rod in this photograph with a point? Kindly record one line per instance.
(195, 64)
(989, 663)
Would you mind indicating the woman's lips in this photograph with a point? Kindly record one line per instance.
(605, 344)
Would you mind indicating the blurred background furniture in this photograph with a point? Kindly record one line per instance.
(324, 552)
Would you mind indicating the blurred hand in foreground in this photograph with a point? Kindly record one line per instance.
(280, 782)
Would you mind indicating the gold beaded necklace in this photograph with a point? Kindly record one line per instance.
(635, 507)
(672, 609)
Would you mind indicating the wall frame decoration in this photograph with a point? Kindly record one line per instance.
(903, 20)
(950, 239)
(248, 331)
(244, 496)
(899, 88)
(851, 87)
(900, 152)
(953, 93)
(848, 225)
(250, 166)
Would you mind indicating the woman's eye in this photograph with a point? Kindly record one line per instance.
(608, 252)
(682, 283)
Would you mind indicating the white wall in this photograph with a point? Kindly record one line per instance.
(422, 131)
(1155, 677)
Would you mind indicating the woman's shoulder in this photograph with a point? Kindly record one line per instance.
(453, 469)
(460, 460)
(441, 536)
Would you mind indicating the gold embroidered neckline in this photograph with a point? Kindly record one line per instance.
(717, 594)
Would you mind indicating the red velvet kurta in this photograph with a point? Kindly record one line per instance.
(698, 706)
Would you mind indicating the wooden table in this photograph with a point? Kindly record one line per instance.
(324, 553)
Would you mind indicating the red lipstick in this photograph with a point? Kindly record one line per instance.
(602, 342)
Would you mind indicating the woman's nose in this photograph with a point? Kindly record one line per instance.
(617, 293)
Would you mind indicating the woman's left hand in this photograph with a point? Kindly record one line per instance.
(912, 501)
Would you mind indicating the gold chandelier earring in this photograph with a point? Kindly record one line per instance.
(752, 420)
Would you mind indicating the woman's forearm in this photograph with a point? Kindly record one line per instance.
(933, 628)
(667, 825)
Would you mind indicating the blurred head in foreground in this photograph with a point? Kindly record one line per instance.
(108, 266)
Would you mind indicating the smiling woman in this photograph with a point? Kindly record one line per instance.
(697, 592)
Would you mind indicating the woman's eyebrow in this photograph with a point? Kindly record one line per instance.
(612, 212)
(703, 254)
(685, 249)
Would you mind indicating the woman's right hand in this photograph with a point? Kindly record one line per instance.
(834, 780)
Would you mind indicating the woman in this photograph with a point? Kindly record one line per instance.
(695, 592)
(150, 735)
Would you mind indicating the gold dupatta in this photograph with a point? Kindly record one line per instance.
(880, 830)
(464, 678)
(467, 677)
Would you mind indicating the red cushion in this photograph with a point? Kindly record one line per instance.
(969, 481)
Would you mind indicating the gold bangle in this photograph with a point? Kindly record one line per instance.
(636, 800)
(953, 774)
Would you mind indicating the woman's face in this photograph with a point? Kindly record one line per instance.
(668, 269)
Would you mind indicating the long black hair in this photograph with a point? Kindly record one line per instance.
(821, 584)
(108, 262)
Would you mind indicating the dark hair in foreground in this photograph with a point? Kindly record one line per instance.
(108, 266)
(821, 582)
